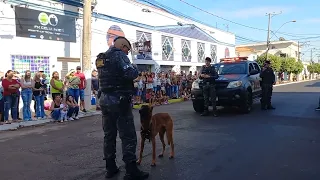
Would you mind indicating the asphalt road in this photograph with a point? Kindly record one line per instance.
(283, 144)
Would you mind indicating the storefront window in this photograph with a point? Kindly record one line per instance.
(167, 48)
(201, 52)
(213, 53)
(186, 53)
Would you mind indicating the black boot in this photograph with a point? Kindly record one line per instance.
(271, 107)
(205, 113)
(133, 173)
(112, 169)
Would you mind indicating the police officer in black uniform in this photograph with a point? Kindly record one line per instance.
(116, 75)
(209, 75)
(267, 81)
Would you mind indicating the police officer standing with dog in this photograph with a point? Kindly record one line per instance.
(209, 75)
(267, 81)
(116, 75)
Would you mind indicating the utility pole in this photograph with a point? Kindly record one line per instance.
(86, 50)
(311, 55)
(298, 51)
(270, 15)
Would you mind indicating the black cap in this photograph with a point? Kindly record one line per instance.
(78, 68)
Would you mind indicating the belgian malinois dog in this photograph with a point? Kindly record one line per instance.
(151, 125)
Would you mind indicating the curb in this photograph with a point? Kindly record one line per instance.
(295, 82)
(171, 101)
(19, 125)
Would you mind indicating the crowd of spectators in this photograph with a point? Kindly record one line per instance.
(158, 88)
(61, 98)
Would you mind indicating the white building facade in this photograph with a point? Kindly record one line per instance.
(30, 41)
(279, 48)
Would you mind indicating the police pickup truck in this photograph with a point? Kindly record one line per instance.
(238, 85)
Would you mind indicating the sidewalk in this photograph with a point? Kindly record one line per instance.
(18, 125)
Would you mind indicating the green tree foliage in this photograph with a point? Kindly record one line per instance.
(314, 68)
(298, 67)
(288, 65)
(275, 61)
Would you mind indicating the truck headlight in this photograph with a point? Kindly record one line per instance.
(195, 85)
(234, 84)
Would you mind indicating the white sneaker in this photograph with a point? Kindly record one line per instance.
(76, 117)
(39, 118)
(70, 119)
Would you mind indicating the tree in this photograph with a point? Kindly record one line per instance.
(275, 61)
(288, 64)
(311, 68)
(298, 67)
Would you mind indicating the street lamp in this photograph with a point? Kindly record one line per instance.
(268, 39)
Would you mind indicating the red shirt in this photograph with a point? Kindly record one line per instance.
(82, 78)
(6, 84)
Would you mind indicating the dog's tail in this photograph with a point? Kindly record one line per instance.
(169, 133)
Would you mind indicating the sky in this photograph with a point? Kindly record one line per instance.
(252, 13)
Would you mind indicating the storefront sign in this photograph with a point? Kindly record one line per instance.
(44, 25)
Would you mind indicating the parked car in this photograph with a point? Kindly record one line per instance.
(238, 85)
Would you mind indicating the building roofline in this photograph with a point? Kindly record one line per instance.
(265, 43)
(180, 15)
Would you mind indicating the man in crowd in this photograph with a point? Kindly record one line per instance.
(209, 75)
(95, 87)
(82, 87)
(267, 81)
(116, 75)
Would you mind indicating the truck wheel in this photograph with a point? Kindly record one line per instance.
(198, 106)
(247, 104)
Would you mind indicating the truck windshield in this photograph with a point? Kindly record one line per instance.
(232, 68)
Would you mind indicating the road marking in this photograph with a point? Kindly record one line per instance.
(295, 82)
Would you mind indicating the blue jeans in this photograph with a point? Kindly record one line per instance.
(73, 111)
(55, 114)
(168, 91)
(10, 103)
(40, 106)
(75, 93)
(26, 95)
(175, 90)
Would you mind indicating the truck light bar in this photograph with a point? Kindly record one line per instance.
(234, 59)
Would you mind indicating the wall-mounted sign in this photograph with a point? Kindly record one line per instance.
(142, 47)
(44, 25)
(113, 32)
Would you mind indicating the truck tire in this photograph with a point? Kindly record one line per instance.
(247, 104)
(198, 106)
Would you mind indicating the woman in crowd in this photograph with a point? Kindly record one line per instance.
(26, 94)
(73, 108)
(73, 82)
(95, 87)
(56, 85)
(38, 93)
(1, 102)
(10, 95)
(55, 108)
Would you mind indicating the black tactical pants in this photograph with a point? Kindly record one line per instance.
(209, 94)
(266, 95)
(118, 117)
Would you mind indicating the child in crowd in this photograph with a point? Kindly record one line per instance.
(44, 83)
(63, 112)
(159, 98)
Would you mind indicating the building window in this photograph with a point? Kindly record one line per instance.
(213, 52)
(167, 48)
(186, 50)
(201, 52)
(143, 38)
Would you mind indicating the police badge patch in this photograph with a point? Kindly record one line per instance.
(99, 63)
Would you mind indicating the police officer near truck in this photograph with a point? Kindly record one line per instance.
(116, 75)
(209, 75)
(267, 81)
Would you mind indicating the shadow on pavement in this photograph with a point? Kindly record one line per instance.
(316, 84)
